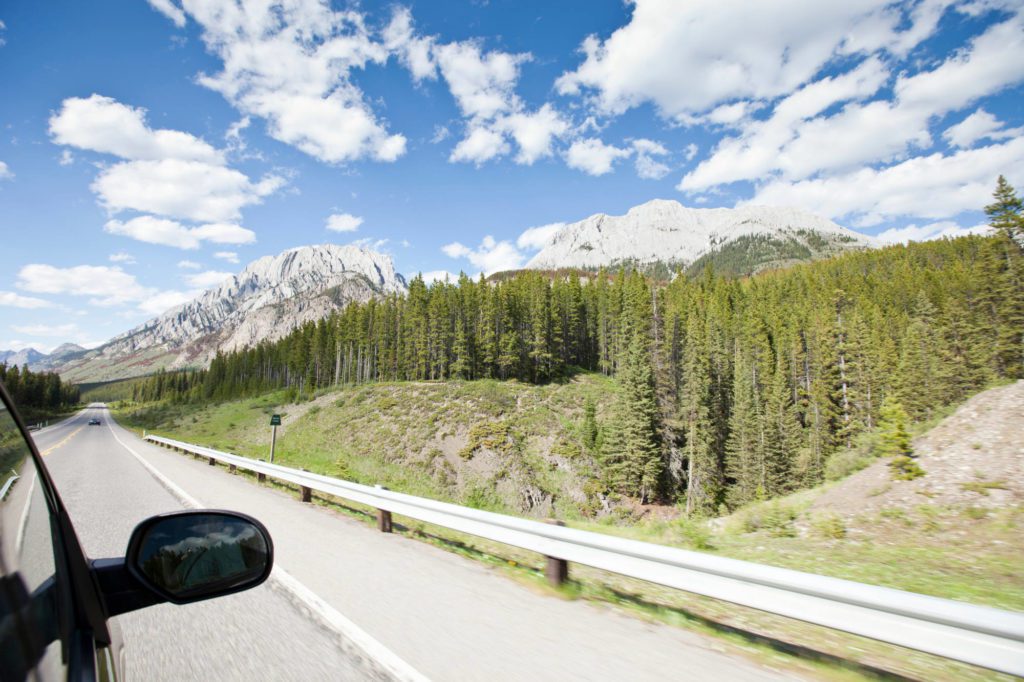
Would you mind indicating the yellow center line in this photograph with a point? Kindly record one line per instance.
(66, 439)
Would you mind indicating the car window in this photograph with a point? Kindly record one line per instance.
(28, 600)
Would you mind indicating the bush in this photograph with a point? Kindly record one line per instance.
(775, 518)
(904, 468)
(851, 460)
(830, 527)
(694, 532)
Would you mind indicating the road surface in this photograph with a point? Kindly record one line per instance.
(445, 616)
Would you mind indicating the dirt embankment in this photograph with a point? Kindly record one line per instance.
(974, 457)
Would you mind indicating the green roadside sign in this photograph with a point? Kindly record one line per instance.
(275, 420)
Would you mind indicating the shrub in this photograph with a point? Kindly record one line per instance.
(695, 532)
(851, 460)
(775, 518)
(830, 527)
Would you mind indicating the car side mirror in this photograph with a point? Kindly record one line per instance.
(184, 557)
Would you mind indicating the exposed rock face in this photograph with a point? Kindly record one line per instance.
(268, 299)
(25, 356)
(668, 232)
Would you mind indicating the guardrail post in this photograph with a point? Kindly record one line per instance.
(307, 493)
(260, 476)
(231, 468)
(213, 462)
(556, 570)
(383, 516)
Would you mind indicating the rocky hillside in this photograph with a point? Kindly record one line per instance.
(667, 232)
(269, 298)
(974, 457)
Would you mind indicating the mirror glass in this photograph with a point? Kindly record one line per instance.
(201, 554)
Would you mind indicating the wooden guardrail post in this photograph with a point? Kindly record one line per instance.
(213, 462)
(260, 476)
(556, 570)
(383, 516)
(307, 493)
(231, 468)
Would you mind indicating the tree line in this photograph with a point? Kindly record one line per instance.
(37, 391)
(730, 390)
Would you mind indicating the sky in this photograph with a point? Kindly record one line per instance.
(150, 149)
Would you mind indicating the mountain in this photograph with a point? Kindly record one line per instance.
(268, 299)
(666, 232)
(25, 356)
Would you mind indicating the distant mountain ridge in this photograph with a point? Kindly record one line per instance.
(665, 231)
(265, 301)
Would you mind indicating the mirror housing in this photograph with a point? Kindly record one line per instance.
(184, 557)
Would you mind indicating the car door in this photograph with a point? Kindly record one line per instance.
(50, 616)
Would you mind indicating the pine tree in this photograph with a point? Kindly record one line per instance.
(894, 441)
(590, 428)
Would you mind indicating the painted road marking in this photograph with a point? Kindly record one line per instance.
(71, 435)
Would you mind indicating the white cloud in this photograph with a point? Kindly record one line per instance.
(343, 222)
(439, 276)
(207, 279)
(122, 257)
(192, 190)
(169, 10)
(646, 166)
(481, 144)
(689, 58)
(536, 238)
(102, 124)
(154, 230)
(5, 172)
(413, 51)
(796, 142)
(290, 64)
(490, 257)
(66, 157)
(593, 156)
(62, 330)
(935, 186)
(227, 256)
(441, 133)
(534, 133)
(104, 285)
(482, 84)
(939, 230)
(980, 125)
(165, 300)
(189, 265)
(691, 151)
(13, 300)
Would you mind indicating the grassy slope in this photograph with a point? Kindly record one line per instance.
(409, 437)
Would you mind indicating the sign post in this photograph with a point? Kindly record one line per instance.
(275, 421)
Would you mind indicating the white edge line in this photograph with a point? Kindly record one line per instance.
(331, 617)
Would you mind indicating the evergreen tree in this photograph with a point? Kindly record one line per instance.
(894, 441)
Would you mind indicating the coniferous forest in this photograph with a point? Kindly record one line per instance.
(731, 390)
(38, 391)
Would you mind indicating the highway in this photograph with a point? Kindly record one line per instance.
(347, 602)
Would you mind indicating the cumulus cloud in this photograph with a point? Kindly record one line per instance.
(227, 256)
(104, 285)
(921, 233)
(207, 279)
(122, 257)
(290, 64)
(536, 238)
(172, 233)
(414, 51)
(62, 330)
(176, 188)
(980, 125)
(169, 10)
(13, 300)
(189, 265)
(5, 172)
(690, 58)
(480, 144)
(647, 167)
(935, 186)
(490, 257)
(594, 157)
(163, 301)
(102, 124)
(343, 222)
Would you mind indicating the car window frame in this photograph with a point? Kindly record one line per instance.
(82, 626)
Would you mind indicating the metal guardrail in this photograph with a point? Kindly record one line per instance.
(980, 635)
(7, 486)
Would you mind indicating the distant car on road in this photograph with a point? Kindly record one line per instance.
(94, 422)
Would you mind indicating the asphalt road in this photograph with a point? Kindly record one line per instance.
(442, 616)
(255, 635)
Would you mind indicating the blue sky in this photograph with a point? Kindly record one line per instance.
(149, 148)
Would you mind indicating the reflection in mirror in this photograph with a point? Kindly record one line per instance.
(194, 555)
